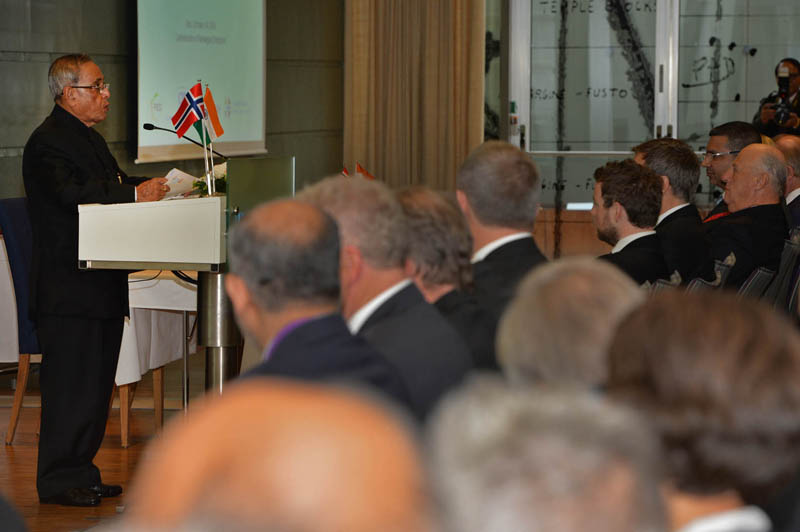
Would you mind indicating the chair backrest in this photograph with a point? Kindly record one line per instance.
(723, 270)
(779, 291)
(697, 284)
(756, 285)
(18, 237)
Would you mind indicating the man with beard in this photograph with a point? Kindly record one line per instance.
(627, 201)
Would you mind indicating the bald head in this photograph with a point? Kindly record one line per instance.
(315, 459)
(789, 145)
(757, 177)
(287, 251)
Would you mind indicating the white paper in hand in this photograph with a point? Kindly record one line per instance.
(179, 183)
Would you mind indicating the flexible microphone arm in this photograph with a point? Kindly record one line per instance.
(150, 127)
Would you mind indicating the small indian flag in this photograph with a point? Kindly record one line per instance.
(211, 118)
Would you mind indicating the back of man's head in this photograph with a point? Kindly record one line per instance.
(287, 252)
(511, 458)
(718, 377)
(637, 188)
(369, 217)
(440, 241)
(502, 186)
(789, 145)
(561, 320)
(281, 455)
(739, 134)
(674, 159)
(757, 160)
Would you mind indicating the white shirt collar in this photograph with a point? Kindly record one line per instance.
(361, 316)
(792, 195)
(630, 238)
(494, 244)
(746, 519)
(667, 213)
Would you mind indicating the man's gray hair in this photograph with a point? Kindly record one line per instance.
(502, 185)
(282, 266)
(560, 322)
(775, 167)
(65, 71)
(369, 217)
(513, 458)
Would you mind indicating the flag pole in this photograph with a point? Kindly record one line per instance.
(209, 177)
(206, 123)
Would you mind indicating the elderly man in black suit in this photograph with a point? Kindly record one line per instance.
(757, 227)
(439, 262)
(627, 200)
(284, 288)
(79, 314)
(497, 188)
(790, 147)
(379, 300)
(724, 143)
(679, 225)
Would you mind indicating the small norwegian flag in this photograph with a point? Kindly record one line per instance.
(190, 110)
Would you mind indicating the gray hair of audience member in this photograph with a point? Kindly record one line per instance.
(561, 320)
(676, 160)
(739, 134)
(773, 163)
(369, 217)
(502, 185)
(65, 71)
(789, 145)
(440, 241)
(294, 261)
(717, 376)
(513, 458)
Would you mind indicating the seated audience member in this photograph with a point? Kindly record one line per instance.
(497, 188)
(718, 378)
(627, 200)
(757, 227)
(284, 288)
(559, 324)
(724, 143)
(439, 262)
(790, 147)
(679, 226)
(278, 455)
(509, 459)
(379, 301)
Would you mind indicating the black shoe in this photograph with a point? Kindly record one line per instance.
(106, 490)
(73, 497)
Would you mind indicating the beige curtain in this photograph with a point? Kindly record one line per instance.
(413, 88)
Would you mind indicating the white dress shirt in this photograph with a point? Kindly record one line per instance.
(361, 316)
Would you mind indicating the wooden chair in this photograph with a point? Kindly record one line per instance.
(126, 393)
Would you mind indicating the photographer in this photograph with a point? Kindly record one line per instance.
(778, 112)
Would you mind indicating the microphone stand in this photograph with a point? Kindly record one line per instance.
(150, 127)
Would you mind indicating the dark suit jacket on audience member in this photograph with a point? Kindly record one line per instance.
(642, 259)
(430, 354)
(496, 277)
(684, 242)
(719, 208)
(794, 211)
(323, 349)
(476, 325)
(756, 235)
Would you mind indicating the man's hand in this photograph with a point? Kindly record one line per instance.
(767, 113)
(151, 190)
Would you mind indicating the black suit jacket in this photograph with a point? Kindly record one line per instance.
(430, 354)
(756, 235)
(794, 211)
(642, 259)
(65, 164)
(476, 325)
(323, 349)
(719, 208)
(496, 277)
(684, 243)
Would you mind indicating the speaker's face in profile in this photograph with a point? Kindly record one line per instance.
(88, 99)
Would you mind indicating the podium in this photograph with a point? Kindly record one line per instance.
(188, 234)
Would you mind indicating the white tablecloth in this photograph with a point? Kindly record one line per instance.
(152, 337)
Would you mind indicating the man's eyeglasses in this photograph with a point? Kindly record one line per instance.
(713, 154)
(99, 87)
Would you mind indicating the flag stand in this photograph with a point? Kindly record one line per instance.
(206, 123)
(209, 177)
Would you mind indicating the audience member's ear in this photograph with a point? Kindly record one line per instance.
(410, 268)
(463, 202)
(352, 265)
(618, 213)
(761, 181)
(665, 186)
(237, 291)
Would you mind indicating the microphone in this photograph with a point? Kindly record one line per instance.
(150, 127)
